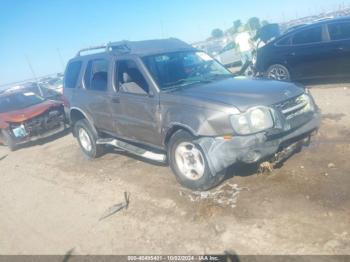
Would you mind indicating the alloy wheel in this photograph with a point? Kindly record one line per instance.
(85, 139)
(189, 160)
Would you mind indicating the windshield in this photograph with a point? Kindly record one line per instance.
(178, 69)
(18, 101)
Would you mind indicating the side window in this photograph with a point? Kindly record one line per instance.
(72, 74)
(96, 75)
(308, 36)
(129, 78)
(339, 31)
(284, 42)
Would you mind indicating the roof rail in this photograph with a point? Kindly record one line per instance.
(119, 47)
(324, 18)
(105, 47)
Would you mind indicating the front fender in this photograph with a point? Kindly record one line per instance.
(200, 121)
(3, 124)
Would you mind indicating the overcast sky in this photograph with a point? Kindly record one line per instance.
(40, 30)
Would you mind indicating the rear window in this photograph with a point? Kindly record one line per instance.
(308, 36)
(72, 74)
(96, 75)
(339, 31)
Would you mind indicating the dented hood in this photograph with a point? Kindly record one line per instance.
(242, 93)
(24, 114)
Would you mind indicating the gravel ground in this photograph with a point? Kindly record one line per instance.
(52, 200)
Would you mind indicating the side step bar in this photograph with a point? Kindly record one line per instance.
(133, 149)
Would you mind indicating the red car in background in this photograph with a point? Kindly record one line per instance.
(26, 116)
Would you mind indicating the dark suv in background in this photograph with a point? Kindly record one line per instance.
(167, 101)
(309, 51)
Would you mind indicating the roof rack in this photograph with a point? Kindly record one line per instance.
(324, 18)
(91, 48)
(119, 47)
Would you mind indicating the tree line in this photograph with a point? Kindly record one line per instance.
(252, 24)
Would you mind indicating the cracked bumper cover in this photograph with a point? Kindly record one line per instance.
(250, 149)
(60, 128)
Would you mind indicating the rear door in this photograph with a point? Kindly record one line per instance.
(136, 104)
(309, 55)
(93, 93)
(70, 82)
(339, 36)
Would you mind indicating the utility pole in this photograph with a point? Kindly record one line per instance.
(36, 79)
(162, 28)
(60, 58)
(31, 67)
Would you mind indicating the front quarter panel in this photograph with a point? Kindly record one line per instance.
(201, 118)
(3, 124)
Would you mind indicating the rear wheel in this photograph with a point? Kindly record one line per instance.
(189, 163)
(87, 139)
(9, 140)
(278, 72)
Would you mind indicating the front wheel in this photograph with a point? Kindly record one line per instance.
(278, 72)
(87, 139)
(189, 164)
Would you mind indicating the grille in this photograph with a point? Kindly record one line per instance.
(47, 121)
(292, 106)
(296, 111)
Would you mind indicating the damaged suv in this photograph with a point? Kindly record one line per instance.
(169, 102)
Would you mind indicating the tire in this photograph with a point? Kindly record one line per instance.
(9, 140)
(87, 139)
(202, 180)
(278, 72)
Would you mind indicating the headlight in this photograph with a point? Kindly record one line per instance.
(308, 101)
(255, 120)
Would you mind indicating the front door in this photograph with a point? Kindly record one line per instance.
(309, 56)
(135, 106)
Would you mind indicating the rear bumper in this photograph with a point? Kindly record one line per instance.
(254, 148)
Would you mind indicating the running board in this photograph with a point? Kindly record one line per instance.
(133, 149)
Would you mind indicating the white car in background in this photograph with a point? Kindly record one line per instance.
(229, 56)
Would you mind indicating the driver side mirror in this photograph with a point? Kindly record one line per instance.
(133, 88)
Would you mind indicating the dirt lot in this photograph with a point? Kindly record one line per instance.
(52, 199)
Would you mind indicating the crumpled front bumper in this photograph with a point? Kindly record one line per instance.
(59, 128)
(250, 149)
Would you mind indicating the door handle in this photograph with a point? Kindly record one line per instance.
(115, 100)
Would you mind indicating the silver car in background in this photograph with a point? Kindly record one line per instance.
(229, 56)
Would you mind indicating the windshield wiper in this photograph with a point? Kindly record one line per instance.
(184, 82)
(218, 76)
(180, 81)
